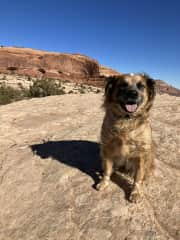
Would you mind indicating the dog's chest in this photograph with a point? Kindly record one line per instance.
(125, 139)
(133, 141)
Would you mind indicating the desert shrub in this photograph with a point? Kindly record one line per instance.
(9, 94)
(65, 81)
(98, 91)
(45, 87)
(3, 77)
(39, 88)
(70, 92)
(82, 86)
(29, 78)
(42, 70)
(61, 91)
(82, 91)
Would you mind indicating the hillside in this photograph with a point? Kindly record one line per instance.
(78, 68)
(163, 87)
(48, 164)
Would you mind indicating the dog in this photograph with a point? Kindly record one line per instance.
(126, 135)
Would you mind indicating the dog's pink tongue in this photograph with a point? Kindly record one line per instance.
(131, 107)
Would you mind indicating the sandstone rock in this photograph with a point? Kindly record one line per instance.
(76, 68)
(105, 71)
(163, 87)
(49, 160)
(37, 63)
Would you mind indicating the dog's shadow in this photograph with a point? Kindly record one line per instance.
(84, 155)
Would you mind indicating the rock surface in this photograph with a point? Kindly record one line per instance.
(105, 71)
(36, 63)
(49, 158)
(163, 87)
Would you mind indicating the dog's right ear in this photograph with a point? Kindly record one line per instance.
(151, 84)
(110, 85)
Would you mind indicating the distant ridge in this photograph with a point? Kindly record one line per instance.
(75, 67)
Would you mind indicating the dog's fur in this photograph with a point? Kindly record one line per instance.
(126, 135)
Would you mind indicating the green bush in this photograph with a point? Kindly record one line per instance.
(9, 94)
(98, 90)
(39, 88)
(82, 91)
(71, 91)
(45, 87)
(42, 70)
(65, 81)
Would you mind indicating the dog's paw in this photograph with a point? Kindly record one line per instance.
(102, 184)
(135, 196)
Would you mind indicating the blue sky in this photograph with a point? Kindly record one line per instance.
(127, 35)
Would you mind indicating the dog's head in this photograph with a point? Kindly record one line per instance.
(129, 94)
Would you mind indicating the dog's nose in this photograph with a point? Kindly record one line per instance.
(132, 93)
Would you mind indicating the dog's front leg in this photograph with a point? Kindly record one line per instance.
(138, 178)
(107, 171)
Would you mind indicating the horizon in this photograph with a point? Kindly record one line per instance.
(43, 50)
(126, 36)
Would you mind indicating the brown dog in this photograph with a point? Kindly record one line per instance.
(126, 132)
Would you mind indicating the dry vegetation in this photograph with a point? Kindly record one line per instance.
(39, 88)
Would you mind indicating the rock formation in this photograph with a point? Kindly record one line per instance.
(37, 63)
(73, 67)
(163, 87)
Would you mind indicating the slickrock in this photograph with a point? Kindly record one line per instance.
(49, 160)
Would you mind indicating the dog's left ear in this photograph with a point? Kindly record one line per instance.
(151, 85)
(110, 85)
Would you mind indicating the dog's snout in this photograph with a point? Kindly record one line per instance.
(132, 94)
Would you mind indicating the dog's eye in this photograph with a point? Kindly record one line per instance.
(140, 86)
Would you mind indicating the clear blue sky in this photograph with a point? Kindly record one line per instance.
(127, 35)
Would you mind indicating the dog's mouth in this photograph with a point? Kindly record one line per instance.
(130, 104)
(131, 107)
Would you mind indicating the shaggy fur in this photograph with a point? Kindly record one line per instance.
(126, 132)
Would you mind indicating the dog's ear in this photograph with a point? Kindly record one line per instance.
(151, 86)
(110, 85)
